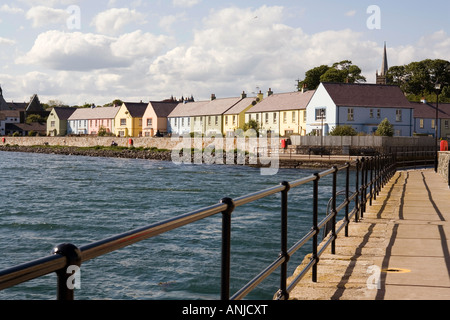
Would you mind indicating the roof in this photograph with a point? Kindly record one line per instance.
(35, 126)
(284, 101)
(94, 113)
(163, 109)
(136, 109)
(242, 105)
(428, 110)
(187, 109)
(217, 107)
(63, 113)
(367, 95)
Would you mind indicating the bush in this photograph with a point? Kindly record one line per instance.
(345, 130)
(385, 129)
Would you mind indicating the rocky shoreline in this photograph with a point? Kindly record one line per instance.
(154, 154)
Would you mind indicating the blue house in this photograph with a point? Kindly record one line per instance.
(362, 106)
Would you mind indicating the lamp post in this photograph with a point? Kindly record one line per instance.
(437, 88)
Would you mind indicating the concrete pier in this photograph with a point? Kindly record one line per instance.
(398, 251)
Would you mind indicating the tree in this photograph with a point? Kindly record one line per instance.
(251, 125)
(418, 79)
(385, 129)
(343, 71)
(345, 130)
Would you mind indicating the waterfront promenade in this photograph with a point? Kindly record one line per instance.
(398, 251)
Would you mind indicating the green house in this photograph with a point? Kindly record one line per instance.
(57, 121)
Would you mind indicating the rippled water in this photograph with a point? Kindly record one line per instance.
(52, 199)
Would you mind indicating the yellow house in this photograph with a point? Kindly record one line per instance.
(234, 118)
(128, 121)
(283, 113)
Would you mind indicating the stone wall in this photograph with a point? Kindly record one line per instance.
(444, 162)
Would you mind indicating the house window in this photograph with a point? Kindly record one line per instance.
(267, 118)
(294, 116)
(217, 120)
(123, 122)
(398, 115)
(421, 123)
(52, 124)
(284, 117)
(446, 124)
(371, 114)
(234, 120)
(182, 122)
(140, 122)
(432, 124)
(226, 120)
(378, 113)
(209, 120)
(149, 122)
(304, 116)
(321, 114)
(274, 117)
(350, 116)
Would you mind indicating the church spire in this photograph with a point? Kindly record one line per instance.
(381, 78)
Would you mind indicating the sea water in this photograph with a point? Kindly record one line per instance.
(47, 200)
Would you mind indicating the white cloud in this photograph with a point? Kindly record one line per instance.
(13, 10)
(86, 51)
(114, 20)
(6, 41)
(42, 16)
(185, 3)
(351, 13)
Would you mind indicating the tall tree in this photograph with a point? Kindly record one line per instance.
(343, 71)
(417, 79)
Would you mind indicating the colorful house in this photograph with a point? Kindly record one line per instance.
(283, 113)
(234, 118)
(57, 121)
(179, 120)
(128, 121)
(92, 120)
(425, 119)
(155, 117)
(361, 106)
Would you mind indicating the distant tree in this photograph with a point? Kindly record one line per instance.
(35, 118)
(418, 79)
(343, 71)
(385, 129)
(345, 130)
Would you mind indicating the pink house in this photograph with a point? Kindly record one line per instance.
(102, 117)
(155, 117)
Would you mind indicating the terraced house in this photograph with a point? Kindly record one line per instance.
(92, 120)
(128, 120)
(361, 106)
(283, 114)
(155, 117)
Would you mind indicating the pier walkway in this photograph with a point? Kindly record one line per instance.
(398, 251)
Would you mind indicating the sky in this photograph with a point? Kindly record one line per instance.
(80, 51)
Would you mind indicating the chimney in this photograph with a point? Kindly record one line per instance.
(304, 88)
(270, 92)
(243, 95)
(213, 96)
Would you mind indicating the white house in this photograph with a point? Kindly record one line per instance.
(362, 106)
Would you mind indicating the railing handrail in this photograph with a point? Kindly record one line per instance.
(66, 254)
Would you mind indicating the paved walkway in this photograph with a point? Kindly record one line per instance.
(403, 242)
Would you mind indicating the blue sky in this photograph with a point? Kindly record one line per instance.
(79, 51)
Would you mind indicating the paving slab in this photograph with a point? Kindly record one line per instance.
(398, 251)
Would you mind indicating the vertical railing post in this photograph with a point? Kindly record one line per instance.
(283, 293)
(65, 286)
(315, 226)
(347, 195)
(226, 248)
(334, 212)
(363, 185)
(357, 192)
(371, 179)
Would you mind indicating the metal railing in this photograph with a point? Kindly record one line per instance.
(370, 175)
